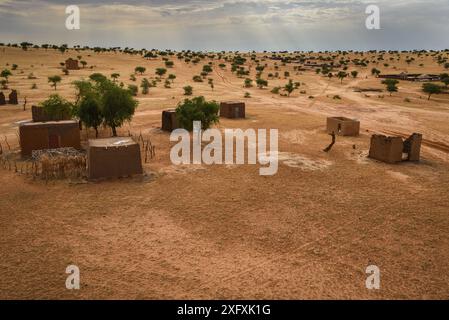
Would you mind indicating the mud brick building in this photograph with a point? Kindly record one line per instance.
(343, 126)
(71, 64)
(232, 109)
(386, 149)
(13, 99)
(394, 149)
(48, 135)
(113, 158)
(412, 147)
(169, 120)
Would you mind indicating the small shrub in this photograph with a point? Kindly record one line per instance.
(188, 90)
(133, 89)
(275, 90)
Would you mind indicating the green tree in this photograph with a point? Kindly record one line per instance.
(197, 109)
(98, 77)
(289, 87)
(89, 112)
(261, 83)
(169, 64)
(248, 83)
(354, 74)
(6, 74)
(54, 80)
(391, 85)
(145, 85)
(57, 108)
(115, 76)
(341, 75)
(207, 68)
(140, 69)
(375, 72)
(172, 77)
(83, 88)
(431, 88)
(161, 71)
(445, 79)
(118, 106)
(84, 63)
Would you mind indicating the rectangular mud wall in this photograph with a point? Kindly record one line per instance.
(114, 162)
(386, 149)
(232, 110)
(37, 137)
(412, 146)
(343, 126)
(39, 115)
(169, 120)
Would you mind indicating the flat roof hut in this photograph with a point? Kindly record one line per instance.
(232, 109)
(49, 135)
(113, 158)
(343, 126)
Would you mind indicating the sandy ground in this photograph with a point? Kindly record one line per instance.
(210, 232)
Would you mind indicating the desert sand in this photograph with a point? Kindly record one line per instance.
(225, 232)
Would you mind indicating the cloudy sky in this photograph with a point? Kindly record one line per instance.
(230, 24)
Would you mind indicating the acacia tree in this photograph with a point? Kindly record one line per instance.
(375, 72)
(161, 71)
(54, 80)
(57, 108)
(83, 88)
(431, 88)
(197, 109)
(445, 79)
(140, 69)
(341, 75)
(89, 111)
(145, 85)
(172, 77)
(115, 76)
(354, 74)
(118, 106)
(98, 77)
(6, 73)
(391, 85)
(261, 83)
(289, 87)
